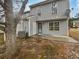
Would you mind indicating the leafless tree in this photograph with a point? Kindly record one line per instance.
(11, 24)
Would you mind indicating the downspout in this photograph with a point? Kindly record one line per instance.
(29, 28)
(68, 17)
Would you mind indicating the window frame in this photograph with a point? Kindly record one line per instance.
(53, 27)
(54, 8)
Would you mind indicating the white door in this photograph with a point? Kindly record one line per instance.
(39, 28)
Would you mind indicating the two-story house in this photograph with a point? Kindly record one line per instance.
(49, 17)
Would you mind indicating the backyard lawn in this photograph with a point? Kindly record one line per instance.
(43, 48)
(74, 33)
(40, 48)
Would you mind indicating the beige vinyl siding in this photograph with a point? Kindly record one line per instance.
(62, 29)
(46, 11)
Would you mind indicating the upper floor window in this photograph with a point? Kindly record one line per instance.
(39, 12)
(54, 8)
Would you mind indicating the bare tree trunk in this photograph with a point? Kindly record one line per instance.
(10, 44)
(10, 30)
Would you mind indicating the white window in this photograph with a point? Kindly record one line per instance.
(54, 8)
(39, 12)
(54, 25)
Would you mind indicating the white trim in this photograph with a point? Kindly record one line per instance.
(68, 27)
(29, 29)
(34, 27)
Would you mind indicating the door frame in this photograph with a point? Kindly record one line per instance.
(39, 27)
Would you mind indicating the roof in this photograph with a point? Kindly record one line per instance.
(42, 3)
(57, 19)
(26, 12)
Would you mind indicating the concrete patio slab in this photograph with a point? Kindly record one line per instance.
(58, 38)
(65, 38)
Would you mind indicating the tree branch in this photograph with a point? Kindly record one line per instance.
(21, 12)
(1, 3)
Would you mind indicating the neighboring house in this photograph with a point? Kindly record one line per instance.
(22, 26)
(49, 17)
(2, 27)
(2, 20)
(74, 22)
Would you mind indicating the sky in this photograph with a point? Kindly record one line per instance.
(74, 6)
(17, 6)
(30, 2)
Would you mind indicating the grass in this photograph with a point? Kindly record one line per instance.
(74, 33)
(38, 48)
(1, 38)
(1, 43)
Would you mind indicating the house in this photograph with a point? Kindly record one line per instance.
(2, 20)
(22, 26)
(74, 22)
(49, 17)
